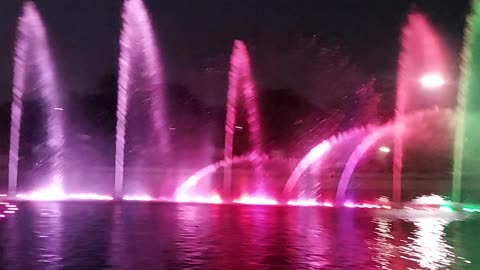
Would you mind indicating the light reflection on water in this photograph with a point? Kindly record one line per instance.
(180, 236)
(428, 247)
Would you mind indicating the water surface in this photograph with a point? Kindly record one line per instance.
(96, 235)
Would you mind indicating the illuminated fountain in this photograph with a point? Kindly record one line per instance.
(422, 68)
(422, 79)
(139, 71)
(242, 95)
(467, 144)
(34, 71)
(377, 134)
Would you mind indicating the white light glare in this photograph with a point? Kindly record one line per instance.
(432, 80)
(384, 149)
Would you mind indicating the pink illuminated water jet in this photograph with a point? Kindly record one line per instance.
(137, 40)
(241, 88)
(32, 49)
(187, 189)
(422, 64)
(316, 153)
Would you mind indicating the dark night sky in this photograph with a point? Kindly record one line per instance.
(84, 34)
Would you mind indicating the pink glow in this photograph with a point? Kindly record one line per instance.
(327, 204)
(9, 212)
(255, 200)
(304, 202)
(52, 193)
(213, 199)
(349, 204)
(144, 198)
(89, 196)
(56, 193)
(365, 205)
(241, 87)
(422, 62)
(309, 202)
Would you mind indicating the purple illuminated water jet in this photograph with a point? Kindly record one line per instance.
(373, 137)
(422, 66)
(33, 61)
(316, 153)
(186, 190)
(242, 88)
(138, 45)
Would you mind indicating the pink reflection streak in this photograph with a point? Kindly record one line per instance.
(8, 208)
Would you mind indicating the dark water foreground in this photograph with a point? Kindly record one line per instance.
(180, 236)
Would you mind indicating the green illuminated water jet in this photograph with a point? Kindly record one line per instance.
(466, 161)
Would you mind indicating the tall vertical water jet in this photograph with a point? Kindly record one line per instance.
(241, 85)
(467, 133)
(33, 65)
(138, 51)
(422, 73)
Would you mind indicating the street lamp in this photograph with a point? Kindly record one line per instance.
(384, 149)
(432, 80)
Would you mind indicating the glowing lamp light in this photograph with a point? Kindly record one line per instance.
(432, 80)
(384, 149)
